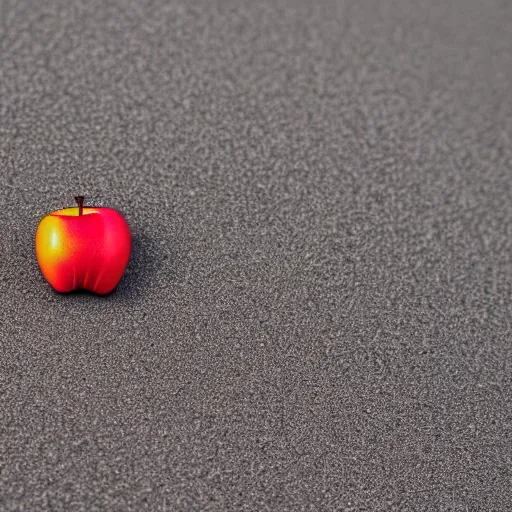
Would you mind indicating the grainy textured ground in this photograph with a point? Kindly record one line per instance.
(317, 313)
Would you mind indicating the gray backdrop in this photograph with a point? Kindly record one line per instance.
(317, 311)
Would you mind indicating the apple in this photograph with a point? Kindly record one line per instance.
(83, 248)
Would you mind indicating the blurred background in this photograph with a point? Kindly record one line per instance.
(317, 311)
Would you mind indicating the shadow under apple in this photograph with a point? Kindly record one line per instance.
(146, 262)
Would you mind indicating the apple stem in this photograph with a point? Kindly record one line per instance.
(80, 201)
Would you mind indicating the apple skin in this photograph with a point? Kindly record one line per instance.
(83, 248)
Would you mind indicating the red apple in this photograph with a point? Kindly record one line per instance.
(83, 248)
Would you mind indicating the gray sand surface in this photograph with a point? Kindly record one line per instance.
(317, 313)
